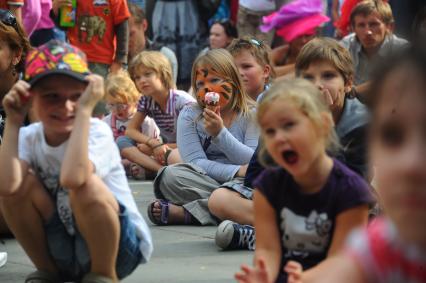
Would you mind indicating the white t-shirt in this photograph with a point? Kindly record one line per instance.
(148, 128)
(258, 5)
(103, 153)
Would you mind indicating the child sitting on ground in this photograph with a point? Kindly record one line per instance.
(121, 100)
(304, 207)
(64, 191)
(329, 66)
(393, 248)
(152, 74)
(233, 205)
(216, 144)
(252, 59)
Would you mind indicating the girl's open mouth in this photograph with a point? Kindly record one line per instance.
(290, 157)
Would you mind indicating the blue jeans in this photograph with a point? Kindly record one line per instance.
(71, 255)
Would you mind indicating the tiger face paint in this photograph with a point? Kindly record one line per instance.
(208, 80)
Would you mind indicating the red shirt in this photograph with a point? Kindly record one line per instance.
(94, 29)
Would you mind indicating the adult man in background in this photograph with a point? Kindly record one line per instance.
(138, 41)
(373, 24)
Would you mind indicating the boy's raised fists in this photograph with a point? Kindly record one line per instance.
(17, 102)
(93, 93)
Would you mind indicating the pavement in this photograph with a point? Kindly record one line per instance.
(181, 253)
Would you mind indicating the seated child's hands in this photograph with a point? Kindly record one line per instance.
(93, 93)
(16, 102)
(256, 274)
(160, 153)
(213, 123)
(294, 271)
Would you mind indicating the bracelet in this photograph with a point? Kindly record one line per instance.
(158, 145)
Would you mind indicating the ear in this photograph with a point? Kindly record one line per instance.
(145, 25)
(266, 72)
(390, 27)
(348, 85)
(17, 56)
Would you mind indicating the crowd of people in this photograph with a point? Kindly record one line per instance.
(311, 153)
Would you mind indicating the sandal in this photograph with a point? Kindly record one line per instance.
(137, 172)
(40, 276)
(96, 278)
(164, 218)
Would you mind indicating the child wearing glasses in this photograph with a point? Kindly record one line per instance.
(152, 73)
(122, 97)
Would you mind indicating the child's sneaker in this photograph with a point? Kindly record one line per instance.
(233, 236)
(3, 258)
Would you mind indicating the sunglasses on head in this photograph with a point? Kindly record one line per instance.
(7, 18)
(252, 41)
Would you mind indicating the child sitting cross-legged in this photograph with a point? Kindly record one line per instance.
(152, 73)
(64, 191)
(122, 97)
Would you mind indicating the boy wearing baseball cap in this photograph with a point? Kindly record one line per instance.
(65, 192)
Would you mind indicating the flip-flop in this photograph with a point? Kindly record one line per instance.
(164, 217)
(40, 276)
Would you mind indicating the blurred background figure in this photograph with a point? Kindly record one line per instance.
(249, 18)
(37, 22)
(15, 6)
(297, 23)
(182, 26)
(222, 32)
(139, 40)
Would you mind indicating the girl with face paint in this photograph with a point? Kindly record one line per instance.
(215, 146)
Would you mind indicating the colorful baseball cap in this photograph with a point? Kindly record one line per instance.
(55, 58)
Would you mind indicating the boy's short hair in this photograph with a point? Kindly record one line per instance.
(137, 13)
(55, 58)
(326, 49)
(258, 49)
(155, 61)
(121, 87)
(367, 7)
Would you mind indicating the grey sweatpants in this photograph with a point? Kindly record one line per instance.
(189, 186)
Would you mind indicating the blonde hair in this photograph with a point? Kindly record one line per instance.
(367, 7)
(326, 49)
(156, 61)
(258, 49)
(222, 62)
(121, 87)
(305, 97)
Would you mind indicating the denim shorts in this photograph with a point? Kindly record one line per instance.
(125, 142)
(237, 185)
(71, 255)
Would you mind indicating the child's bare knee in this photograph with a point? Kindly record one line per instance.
(216, 200)
(93, 194)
